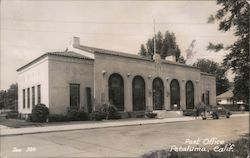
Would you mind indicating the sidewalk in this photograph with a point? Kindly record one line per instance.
(94, 125)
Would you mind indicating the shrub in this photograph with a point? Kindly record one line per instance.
(110, 111)
(39, 113)
(58, 118)
(189, 112)
(74, 114)
(11, 115)
(83, 115)
(97, 115)
(106, 111)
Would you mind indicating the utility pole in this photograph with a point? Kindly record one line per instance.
(154, 40)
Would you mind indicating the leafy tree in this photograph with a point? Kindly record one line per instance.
(3, 97)
(143, 51)
(208, 66)
(234, 15)
(165, 46)
(8, 98)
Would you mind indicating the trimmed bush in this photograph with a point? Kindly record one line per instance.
(58, 118)
(97, 115)
(11, 115)
(75, 114)
(110, 111)
(189, 112)
(83, 116)
(39, 113)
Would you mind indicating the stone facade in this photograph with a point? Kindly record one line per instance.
(92, 67)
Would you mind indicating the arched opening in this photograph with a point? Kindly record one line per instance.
(189, 95)
(116, 91)
(175, 94)
(138, 94)
(158, 94)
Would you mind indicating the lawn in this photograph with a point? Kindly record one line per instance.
(17, 123)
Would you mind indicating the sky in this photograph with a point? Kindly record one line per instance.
(30, 28)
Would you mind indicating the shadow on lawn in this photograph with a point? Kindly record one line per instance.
(17, 123)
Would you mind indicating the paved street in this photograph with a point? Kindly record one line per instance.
(129, 141)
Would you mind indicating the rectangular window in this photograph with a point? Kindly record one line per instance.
(74, 95)
(203, 98)
(24, 98)
(39, 94)
(28, 95)
(33, 96)
(89, 103)
(207, 98)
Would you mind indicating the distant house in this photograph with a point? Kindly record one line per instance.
(227, 98)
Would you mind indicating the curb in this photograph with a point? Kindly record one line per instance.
(63, 128)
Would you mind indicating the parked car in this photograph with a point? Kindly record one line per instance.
(215, 112)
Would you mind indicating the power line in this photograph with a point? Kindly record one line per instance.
(105, 22)
(109, 34)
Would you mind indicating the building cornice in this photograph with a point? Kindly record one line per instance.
(50, 54)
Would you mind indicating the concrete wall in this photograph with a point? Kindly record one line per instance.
(208, 83)
(36, 74)
(62, 72)
(128, 68)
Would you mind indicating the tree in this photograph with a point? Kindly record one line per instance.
(3, 97)
(208, 66)
(165, 46)
(8, 98)
(143, 51)
(234, 15)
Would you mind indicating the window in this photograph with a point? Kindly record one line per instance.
(28, 95)
(175, 93)
(116, 91)
(33, 96)
(189, 95)
(39, 94)
(75, 95)
(138, 94)
(24, 98)
(158, 94)
(207, 98)
(89, 100)
(203, 98)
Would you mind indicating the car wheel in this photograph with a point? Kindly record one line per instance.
(204, 118)
(228, 116)
(215, 116)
